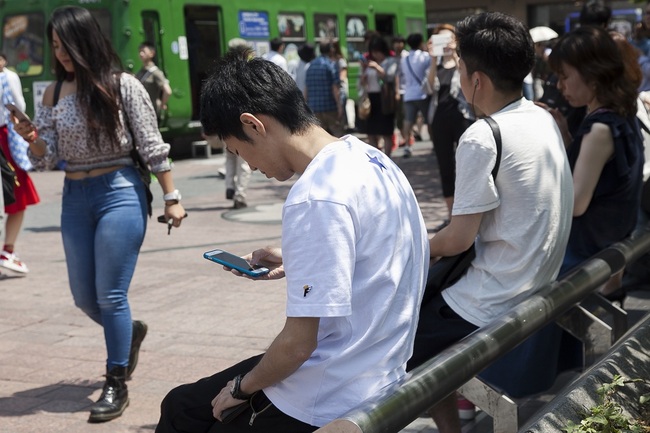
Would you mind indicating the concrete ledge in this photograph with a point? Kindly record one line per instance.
(629, 358)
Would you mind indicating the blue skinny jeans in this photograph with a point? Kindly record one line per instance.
(103, 222)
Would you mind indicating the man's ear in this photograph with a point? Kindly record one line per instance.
(252, 125)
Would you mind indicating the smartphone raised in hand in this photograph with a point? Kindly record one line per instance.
(17, 113)
(235, 262)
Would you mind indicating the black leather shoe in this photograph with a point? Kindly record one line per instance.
(230, 193)
(114, 398)
(139, 332)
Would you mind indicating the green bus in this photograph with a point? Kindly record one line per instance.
(190, 34)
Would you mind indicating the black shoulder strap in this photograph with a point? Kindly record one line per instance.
(497, 137)
(57, 92)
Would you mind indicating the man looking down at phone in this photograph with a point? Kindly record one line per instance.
(354, 254)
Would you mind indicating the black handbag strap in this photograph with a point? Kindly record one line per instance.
(494, 126)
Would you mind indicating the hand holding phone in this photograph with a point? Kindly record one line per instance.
(235, 262)
(18, 114)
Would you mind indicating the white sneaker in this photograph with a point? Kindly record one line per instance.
(12, 262)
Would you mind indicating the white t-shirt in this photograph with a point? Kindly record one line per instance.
(277, 58)
(527, 217)
(355, 251)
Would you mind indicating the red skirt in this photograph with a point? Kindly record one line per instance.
(26, 194)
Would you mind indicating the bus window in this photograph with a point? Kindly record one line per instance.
(325, 27)
(385, 24)
(151, 27)
(292, 26)
(415, 25)
(355, 29)
(203, 31)
(22, 42)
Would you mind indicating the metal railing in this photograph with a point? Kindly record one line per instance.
(445, 373)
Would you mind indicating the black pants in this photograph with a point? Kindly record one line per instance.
(187, 408)
(438, 328)
(445, 132)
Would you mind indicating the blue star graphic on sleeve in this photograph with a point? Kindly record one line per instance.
(375, 160)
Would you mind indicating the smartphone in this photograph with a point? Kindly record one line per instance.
(235, 262)
(18, 114)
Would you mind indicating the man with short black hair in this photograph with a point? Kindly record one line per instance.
(153, 79)
(518, 220)
(354, 254)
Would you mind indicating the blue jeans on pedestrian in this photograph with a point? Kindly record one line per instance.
(103, 222)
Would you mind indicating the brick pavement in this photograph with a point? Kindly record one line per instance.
(200, 318)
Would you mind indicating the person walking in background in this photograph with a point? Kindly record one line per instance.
(93, 117)
(306, 53)
(414, 68)
(398, 44)
(336, 55)
(323, 91)
(16, 154)
(449, 114)
(153, 79)
(275, 54)
(382, 69)
(348, 329)
(238, 172)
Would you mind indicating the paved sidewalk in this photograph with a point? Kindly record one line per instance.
(201, 319)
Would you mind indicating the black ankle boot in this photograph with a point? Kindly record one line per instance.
(139, 332)
(114, 398)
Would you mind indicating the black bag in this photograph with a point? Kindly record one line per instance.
(145, 175)
(448, 270)
(9, 180)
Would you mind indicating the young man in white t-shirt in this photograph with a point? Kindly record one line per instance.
(519, 222)
(354, 253)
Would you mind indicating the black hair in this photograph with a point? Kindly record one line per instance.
(325, 47)
(599, 61)
(498, 45)
(4, 56)
(238, 85)
(148, 44)
(307, 53)
(378, 43)
(398, 38)
(276, 43)
(415, 40)
(595, 13)
(96, 69)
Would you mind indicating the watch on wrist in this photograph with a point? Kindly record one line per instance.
(236, 392)
(172, 196)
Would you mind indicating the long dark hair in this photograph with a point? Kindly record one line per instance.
(96, 69)
(598, 60)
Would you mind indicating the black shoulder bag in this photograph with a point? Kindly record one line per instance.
(448, 270)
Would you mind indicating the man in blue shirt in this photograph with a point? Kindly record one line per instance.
(323, 91)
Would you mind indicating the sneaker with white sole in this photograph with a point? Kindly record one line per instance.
(12, 262)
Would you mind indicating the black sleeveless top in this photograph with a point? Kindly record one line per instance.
(612, 212)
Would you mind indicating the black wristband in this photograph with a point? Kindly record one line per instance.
(235, 391)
